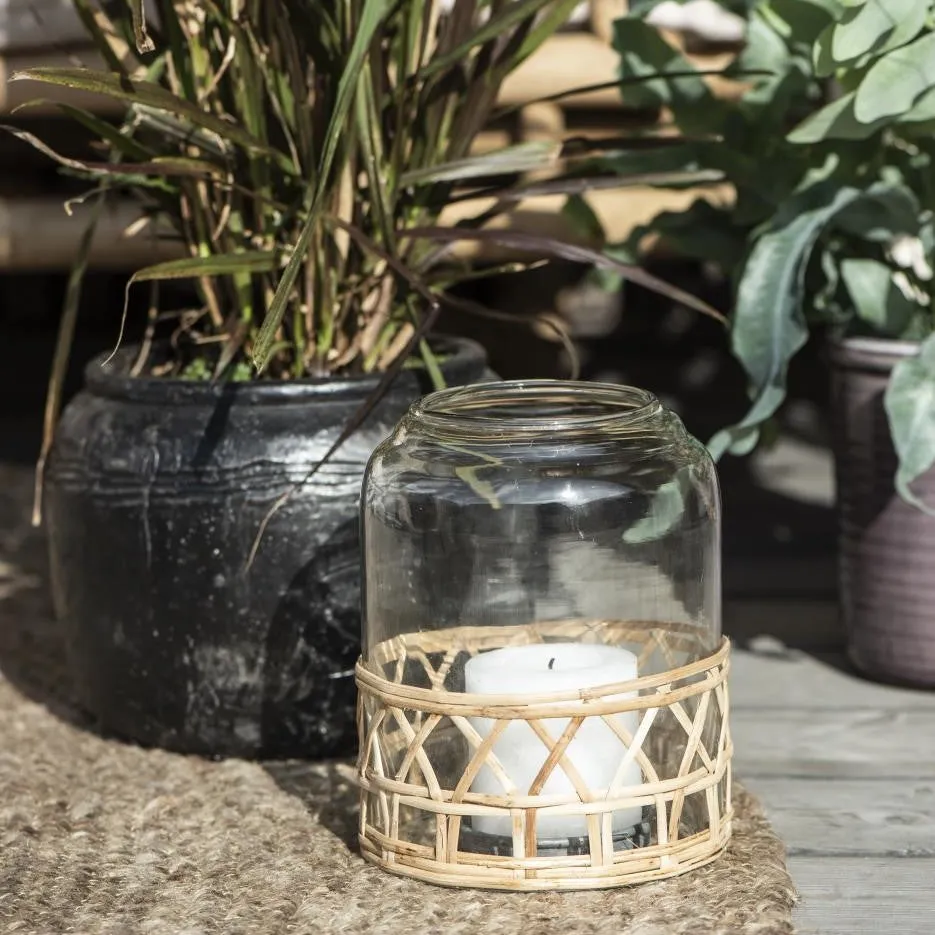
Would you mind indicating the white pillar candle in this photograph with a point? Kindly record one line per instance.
(595, 752)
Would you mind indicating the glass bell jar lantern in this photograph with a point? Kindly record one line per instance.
(542, 691)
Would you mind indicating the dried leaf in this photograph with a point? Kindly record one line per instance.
(576, 253)
(143, 41)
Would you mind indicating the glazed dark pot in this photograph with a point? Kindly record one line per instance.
(887, 546)
(155, 490)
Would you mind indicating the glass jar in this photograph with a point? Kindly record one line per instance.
(573, 529)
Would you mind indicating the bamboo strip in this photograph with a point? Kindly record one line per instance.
(385, 812)
(485, 804)
(377, 841)
(427, 727)
(483, 754)
(692, 747)
(567, 807)
(426, 871)
(479, 705)
(425, 764)
(639, 859)
(634, 747)
(687, 724)
(559, 709)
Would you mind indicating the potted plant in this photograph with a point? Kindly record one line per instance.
(831, 155)
(201, 493)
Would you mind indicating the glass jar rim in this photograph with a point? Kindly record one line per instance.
(518, 407)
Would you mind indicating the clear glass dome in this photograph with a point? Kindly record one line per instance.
(513, 503)
(573, 528)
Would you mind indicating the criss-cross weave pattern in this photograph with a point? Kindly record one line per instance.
(420, 754)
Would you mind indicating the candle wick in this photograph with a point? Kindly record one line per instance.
(551, 662)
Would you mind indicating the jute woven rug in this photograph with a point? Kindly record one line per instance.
(99, 836)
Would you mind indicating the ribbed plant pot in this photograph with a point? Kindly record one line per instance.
(154, 493)
(887, 546)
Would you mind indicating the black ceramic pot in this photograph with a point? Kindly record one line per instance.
(155, 490)
(887, 546)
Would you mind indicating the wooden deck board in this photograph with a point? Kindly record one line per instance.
(851, 818)
(861, 743)
(846, 770)
(865, 896)
(791, 678)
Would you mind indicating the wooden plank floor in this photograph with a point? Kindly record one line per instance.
(846, 770)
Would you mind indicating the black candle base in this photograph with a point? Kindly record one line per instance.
(500, 845)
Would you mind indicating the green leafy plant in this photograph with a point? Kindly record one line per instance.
(832, 159)
(302, 154)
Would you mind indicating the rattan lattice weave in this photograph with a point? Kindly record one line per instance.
(419, 754)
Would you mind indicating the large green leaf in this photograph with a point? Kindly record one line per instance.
(769, 325)
(764, 50)
(927, 236)
(897, 81)
(864, 28)
(907, 26)
(827, 299)
(665, 509)
(910, 407)
(822, 60)
(144, 93)
(922, 111)
(836, 120)
(643, 52)
(877, 300)
(701, 231)
(372, 15)
(806, 19)
(887, 211)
